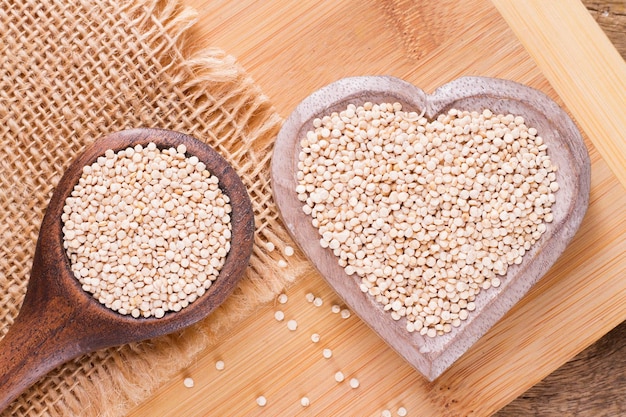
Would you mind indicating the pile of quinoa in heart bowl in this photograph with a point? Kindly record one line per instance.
(430, 215)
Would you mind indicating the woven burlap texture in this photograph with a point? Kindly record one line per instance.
(71, 72)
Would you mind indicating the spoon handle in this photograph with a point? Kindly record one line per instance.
(37, 342)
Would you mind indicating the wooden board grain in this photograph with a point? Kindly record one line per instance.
(293, 49)
(591, 84)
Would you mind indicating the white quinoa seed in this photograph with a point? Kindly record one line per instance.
(292, 325)
(279, 315)
(402, 412)
(283, 298)
(282, 263)
(317, 302)
(327, 353)
(339, 376)
(188, 382)
(426, 214)
(354, 383)
(270, 246)
(345, 313)
(335, 309)
(315, 337)
(146, 230)
(309, 297)
(385, 413)
(288, 251)
(305, 402)
(261, 401)
(219, 365)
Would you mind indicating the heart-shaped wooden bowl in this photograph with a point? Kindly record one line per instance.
(431, 356)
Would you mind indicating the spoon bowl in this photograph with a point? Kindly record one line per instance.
(58, 321)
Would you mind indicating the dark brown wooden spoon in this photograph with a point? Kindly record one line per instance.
(58, 321)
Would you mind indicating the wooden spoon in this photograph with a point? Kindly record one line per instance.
(58, 321)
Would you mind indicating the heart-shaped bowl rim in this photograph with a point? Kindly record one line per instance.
(432, 356)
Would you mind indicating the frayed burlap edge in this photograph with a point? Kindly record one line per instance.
(110, 382)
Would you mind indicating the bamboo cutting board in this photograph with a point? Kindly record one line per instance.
(294, 48)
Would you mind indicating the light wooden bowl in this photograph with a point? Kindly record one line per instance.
(431, 356)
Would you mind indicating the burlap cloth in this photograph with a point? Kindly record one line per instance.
(72, 71)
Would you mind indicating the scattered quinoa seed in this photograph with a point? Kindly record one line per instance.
(288, 251)
(345, 313)
(315, 337)
(146, 230)
(402, 412)
(292, 325)
(354, 383)
(269, 246)
(261, 401)
(282, 263)
(305, 402)
(335, 309)
(317, 302)
(385, 413)
(279, 315)
(339, 377)
(327, 353)
(309, 297)
(188, 382)
(282, 298)
(219, 365)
